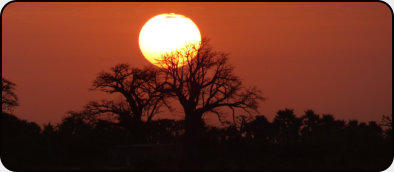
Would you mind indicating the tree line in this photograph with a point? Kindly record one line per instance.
(202, 82)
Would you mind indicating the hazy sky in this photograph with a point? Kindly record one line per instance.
(330, 57)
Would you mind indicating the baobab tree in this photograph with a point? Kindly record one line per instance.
(203, 82)
(140, 90)
(8, 98)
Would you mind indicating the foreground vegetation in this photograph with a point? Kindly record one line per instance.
(310, 141)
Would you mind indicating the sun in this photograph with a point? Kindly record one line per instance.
(166, 33)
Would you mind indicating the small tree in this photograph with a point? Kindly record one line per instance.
(387, 123)
(203, 81)
(8, 98)
(260, 130)
(139, 89)
(287, 126)
(310, 123)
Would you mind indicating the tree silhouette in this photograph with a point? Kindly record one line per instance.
(287, 126)
(260, 130)
(139, 89)
(203, 81)
(8, 98)
(387, 122)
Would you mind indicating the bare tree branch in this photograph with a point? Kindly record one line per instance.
(8, 98)
(206, 81)
(139, 87)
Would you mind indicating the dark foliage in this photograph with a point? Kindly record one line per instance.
(312, 141)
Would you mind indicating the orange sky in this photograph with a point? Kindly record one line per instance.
(330, 57)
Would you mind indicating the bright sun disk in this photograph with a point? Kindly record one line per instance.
(166, 33)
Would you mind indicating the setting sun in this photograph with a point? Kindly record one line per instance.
(196, 85)
(166, 33)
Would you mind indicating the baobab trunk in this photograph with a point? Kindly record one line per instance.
(139, 132)
(192, 140)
